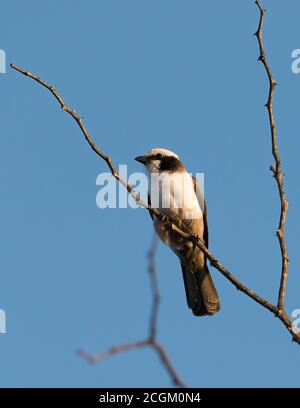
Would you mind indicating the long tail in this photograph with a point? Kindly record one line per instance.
(201, 293)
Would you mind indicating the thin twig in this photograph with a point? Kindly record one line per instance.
(164, 358)
(84, 130)
(154, 288)
(276, 169)
(122, 348)
(112, 351)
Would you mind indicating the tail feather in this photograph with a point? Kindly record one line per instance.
(201, 293)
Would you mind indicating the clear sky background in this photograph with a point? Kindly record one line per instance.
(180, 74)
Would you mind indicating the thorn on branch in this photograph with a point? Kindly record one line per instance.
(273, 170)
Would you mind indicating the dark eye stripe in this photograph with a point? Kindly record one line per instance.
(170, 163)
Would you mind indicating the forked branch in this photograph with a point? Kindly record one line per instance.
(151, 341)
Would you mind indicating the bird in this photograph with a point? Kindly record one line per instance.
(177, 195)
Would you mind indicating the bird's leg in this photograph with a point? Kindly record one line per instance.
(189, 248)
(193, 239)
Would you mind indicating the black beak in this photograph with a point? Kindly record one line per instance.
(141, 159)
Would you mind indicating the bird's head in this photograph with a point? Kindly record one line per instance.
(158, 159)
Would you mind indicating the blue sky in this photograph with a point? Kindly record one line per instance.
(170, 73)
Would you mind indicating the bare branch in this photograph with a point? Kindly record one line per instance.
(112, 351)
(276, 169)
(84, 130)
(164, 358)
(151, 341)
(122, 348)
(154, 288)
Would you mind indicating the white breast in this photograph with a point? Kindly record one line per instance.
(174, 194)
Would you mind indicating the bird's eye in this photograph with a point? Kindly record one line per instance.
(158, 156)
